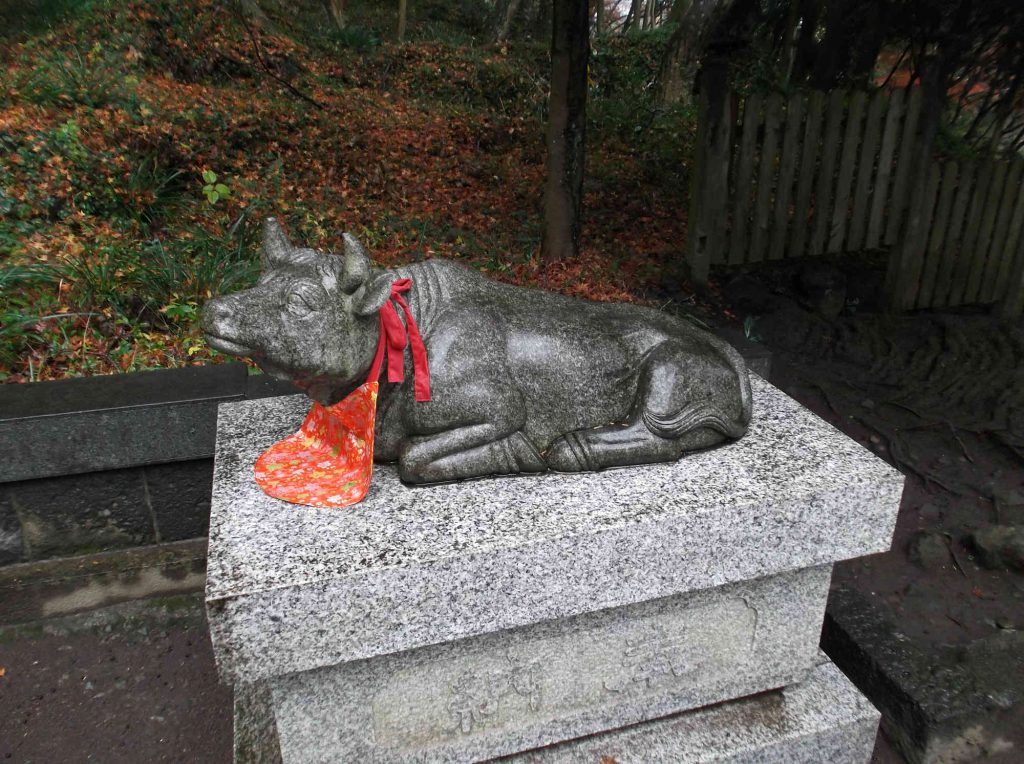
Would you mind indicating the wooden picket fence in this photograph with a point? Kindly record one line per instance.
(826, 173)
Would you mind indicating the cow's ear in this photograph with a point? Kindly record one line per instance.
(357, 265)
(374, 294)
(277, 250)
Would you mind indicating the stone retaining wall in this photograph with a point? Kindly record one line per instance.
(101, 463)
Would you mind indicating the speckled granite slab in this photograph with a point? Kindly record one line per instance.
(510, 691)
(294, 588)
(822, 720)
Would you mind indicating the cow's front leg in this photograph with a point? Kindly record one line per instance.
(467, 452)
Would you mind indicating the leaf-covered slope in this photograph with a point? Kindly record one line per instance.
(111, 237)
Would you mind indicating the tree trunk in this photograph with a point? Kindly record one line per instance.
(599, 18)
(253, 11)
(541, 27)
(402, 9)
(336, 8)
(567, 119)
(709, 192)
(834, 51)
(510, 16)
(521, 19)
(675, 14)
(634, 6)
(806, 45)
(789, 40)
(686, 46)
(872, 25)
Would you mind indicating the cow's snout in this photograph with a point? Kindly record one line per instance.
(216, 313)
(219, 322)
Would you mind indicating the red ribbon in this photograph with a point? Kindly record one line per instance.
(393, 339)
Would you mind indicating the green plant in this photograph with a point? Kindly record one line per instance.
(356, 38)
(50, 189)
(161, 282)
(449, 19)
(32, 169)
(151, 192)
(68, 138)
(33, 16)
(213, 190)
(625, 111)
(176, 276)
(178, 310)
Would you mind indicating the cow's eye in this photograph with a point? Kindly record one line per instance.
(297, 305)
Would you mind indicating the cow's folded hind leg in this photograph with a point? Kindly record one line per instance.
(611, 446)
(684, 403)
(455, 455)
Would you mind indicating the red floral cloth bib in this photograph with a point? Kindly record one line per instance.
(329, 461)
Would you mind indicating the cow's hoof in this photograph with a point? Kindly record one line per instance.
(570, 454)
(413, 476)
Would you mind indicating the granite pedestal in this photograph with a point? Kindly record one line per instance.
(461, 622)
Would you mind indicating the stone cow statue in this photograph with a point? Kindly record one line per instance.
(523, 380)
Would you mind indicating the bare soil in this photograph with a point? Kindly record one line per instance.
(132, 683)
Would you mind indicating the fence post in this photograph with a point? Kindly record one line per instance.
(907, 256)
(709, 184)
(1001, 259)
(743, 180)
(1012, 303)
(830, 148)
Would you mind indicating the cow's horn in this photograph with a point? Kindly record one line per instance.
(276, 247)
(357, 265)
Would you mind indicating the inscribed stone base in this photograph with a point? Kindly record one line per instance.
(822, 719)
(515, 690)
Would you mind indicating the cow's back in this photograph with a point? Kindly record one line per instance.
(576, 362)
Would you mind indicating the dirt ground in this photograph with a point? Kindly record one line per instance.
(938, 395)
(133, 683)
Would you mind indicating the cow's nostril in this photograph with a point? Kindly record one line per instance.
(216, 311)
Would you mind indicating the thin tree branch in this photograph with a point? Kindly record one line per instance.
(896, 66)
(263, 64)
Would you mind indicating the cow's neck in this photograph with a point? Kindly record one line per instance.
(424, 296)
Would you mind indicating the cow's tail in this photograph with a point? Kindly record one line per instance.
(704, 413)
